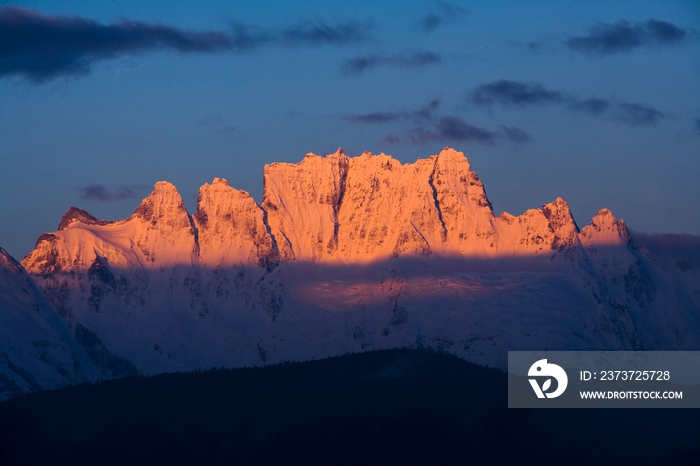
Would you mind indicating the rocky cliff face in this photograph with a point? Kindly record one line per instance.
(351, 253)
(372, 207)
(302, 203)
(232, 229)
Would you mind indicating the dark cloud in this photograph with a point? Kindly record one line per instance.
(514, 134)
(358, 65)
(454, 129)
(623, 36)
(638, 114)
(124, 193)
(426, 111)
(514, 93)
(96, 192)
(217, 124)
(442, 13)
(429, 127)
(422, 113)
(101, 193)
(522, 95)
(41, 47)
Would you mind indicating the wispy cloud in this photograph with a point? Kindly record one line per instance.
(455, 129)
(623, 36)
(376, 117)
(514, 93)
(101, 193)
(514, 134)
(522, 95)
(442, 13)
(638, 114)
(358, 65)
(427, 127)
(391, 139)
(593, 105)
(42, 47)
(421, 113)
(217, 124)
(452, 128)
(317, 32)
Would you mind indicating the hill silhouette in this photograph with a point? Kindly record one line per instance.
(383, 407)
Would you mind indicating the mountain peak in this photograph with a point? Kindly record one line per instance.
(218, 185)
(164, 203)
(605, 220)
(164, 188)
(605, 228)
(9, 262)
(449, 155)
(232, 230)
(562, 224)
(217, 194)
(450, 152)
(78, 215)
(558, 208)
(221, 181)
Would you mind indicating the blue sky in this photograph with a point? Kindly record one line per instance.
(596, 102)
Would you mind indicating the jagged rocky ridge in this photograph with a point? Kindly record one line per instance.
(352, 253)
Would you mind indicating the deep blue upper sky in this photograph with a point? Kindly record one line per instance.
(597, 102)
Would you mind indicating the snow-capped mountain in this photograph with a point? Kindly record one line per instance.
(37, 350)
(353, 253)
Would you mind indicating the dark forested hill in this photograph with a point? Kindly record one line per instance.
(383, 407)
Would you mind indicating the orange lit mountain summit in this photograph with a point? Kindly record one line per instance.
(333, 209)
